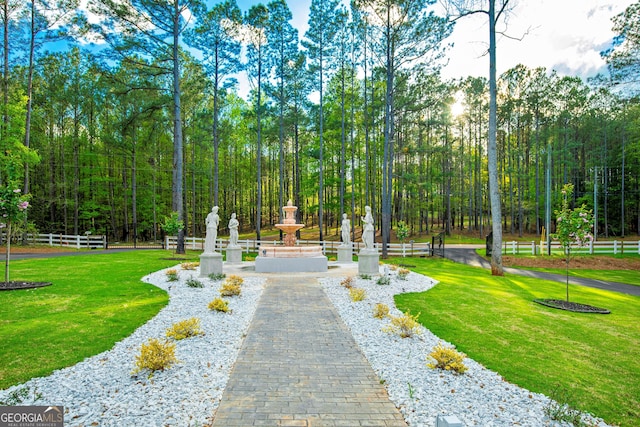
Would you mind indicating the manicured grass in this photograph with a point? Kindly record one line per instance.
(95, 301)
(628, 276)
(594, 358)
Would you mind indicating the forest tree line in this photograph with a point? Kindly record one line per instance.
(102, 124)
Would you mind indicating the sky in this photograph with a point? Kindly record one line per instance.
(562, 35)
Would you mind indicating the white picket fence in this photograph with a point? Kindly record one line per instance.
(599, 247)
(331, 247)
(328, 247)
(66, 240)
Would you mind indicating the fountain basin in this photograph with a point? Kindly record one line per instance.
(291, 259)
(269, 251)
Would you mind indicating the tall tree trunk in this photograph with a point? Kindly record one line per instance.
(134, 187)
(321, 160)
(216, 140)
(494, 190)
(27, 130)
(178, 156)
(259, 152)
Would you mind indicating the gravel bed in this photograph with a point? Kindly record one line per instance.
(102, 391)
(479, 397)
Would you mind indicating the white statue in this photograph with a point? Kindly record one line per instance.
(368, 231)
(233, 230)
(345, 230)
(212, 222)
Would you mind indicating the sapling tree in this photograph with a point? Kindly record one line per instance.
(13, 208)
(573, 227)
(173, 224)
(402, 231)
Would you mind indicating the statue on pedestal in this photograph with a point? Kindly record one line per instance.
(233, 231)
(345, 230)
(368, 230)
(211, 222)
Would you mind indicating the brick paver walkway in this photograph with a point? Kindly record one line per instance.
(300, 366)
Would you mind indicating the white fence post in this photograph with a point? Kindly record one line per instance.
(615, 247)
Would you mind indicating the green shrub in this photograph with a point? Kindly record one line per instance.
(403, 273)
(219, 304)
(380, 311)
(172, 275)
(155, 355)
(365, 277)
(558, 410)
(383, 280)
(404, 326)
(357, 294)
(185, 329)
(447, 359)
(194, 283)
(217, 276)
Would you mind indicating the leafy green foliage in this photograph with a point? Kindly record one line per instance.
(172, 275)
(172, 224)
(383, 280)
(573, 226)
(194, 283)
(402, 231)
(217, 276)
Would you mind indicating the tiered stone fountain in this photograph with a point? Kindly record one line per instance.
(292, 257)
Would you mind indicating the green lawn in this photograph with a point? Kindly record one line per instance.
(629, 276)
(95, 301)
(595, 359)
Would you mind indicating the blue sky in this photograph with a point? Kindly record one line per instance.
(565, 35)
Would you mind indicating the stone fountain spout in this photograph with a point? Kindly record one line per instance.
(289, 226)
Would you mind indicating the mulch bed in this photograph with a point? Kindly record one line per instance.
(11, 286)
(571, 306)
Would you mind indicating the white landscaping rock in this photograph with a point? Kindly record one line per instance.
(102, 390)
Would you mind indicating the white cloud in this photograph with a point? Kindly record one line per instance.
(564, 35)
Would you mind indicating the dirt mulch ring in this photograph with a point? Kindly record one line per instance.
(11, 286)
(571, 306)
(590, 262)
